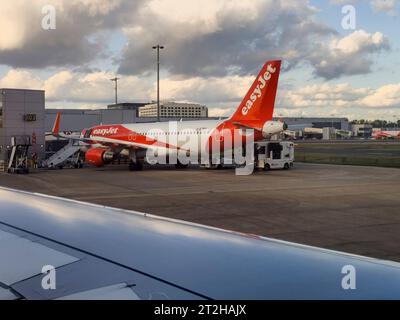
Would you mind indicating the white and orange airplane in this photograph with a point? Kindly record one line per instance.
(379, 134)
(107, 142)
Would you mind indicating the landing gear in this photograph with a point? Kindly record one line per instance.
(78, 165)
(136, 160)
(180, 165)
(135, 166)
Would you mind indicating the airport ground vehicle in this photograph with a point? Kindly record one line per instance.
(267, 155)
(274, 154)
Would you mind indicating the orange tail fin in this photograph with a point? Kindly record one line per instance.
(56, 127)
(257, 106)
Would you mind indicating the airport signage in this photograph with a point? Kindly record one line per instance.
(105, 131)
(30, 117)
(257, 92)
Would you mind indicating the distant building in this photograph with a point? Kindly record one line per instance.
(22, 114)
(317, 122)
(362, 130)
(174, 110)
(127, 106)
(75, 120)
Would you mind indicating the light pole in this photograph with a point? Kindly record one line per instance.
(158, 47)
(116, 88)
(331, 133)
(332, 115)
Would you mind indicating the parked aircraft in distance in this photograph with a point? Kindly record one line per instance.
(385, 134)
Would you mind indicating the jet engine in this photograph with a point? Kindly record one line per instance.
(99, 156)
(273, 127)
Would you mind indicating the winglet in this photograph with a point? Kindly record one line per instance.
(56, 128)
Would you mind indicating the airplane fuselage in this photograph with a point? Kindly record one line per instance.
(252, 121)
(195, 138)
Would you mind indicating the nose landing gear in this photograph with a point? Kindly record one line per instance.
(135, 166)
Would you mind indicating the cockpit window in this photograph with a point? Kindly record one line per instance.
(88, 133)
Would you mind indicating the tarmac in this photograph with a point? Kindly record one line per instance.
(347, 208)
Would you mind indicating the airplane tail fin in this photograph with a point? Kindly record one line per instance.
(258, 104)
(56, 127)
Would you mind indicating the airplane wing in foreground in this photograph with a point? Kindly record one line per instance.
(106, 253)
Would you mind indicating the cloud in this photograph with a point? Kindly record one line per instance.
(213, 48)
(65, 86)
(219, 112)
(75, 41)
(343, 2)
(349, 55)
(227, 37)
(385, 96)
(341, 100)
(96, 87)
(207, 90)
(238, 38)
(202, 38)
(340, 96)
(21, 78)
(221, 95)
(386, 6)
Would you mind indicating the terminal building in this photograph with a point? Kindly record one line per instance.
(75, 120)
(336, 123)
(128, 106)
(22, 114)
(174, 110)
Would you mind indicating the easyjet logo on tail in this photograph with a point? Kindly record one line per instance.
(257, 92)
(106, 131)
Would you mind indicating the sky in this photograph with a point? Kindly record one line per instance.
(340, 57)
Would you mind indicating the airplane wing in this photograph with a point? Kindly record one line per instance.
(138, 142)
(117, 142)
(106, 253)
(244, 126)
